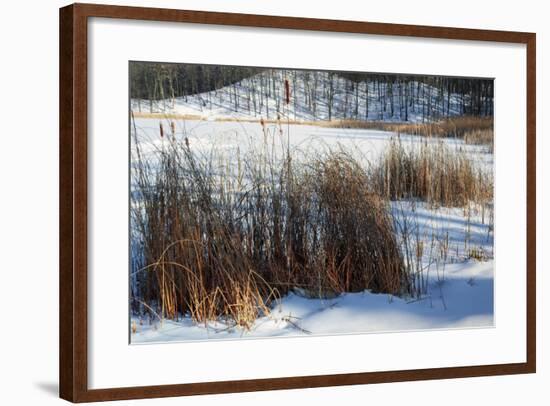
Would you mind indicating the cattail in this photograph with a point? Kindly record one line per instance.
(287, 92)
(161, 130)
(173, 127)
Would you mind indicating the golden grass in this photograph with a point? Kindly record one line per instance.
(432, 173)
(171, 116)
(216, 247)
(473, 130)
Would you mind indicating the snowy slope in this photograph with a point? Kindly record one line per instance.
(311, 94)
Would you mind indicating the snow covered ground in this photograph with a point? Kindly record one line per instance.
(459, 295)
(459, 278)
(237, 137)
(463, 299)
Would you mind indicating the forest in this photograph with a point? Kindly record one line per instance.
(393, 92)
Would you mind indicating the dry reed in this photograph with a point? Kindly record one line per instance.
(432, 173)
(473, 130)
(224, 240)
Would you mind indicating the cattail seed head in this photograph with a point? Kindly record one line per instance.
(287, 92)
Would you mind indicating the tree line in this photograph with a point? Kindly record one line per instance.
(354, 95)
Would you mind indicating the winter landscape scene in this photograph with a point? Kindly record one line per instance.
(270, 202)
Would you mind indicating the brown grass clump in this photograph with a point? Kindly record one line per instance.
(194, 262)
(473, 130)
(480, 137)
(432, 173)
(357, 236)
(215, 242)
(167, 116)
(338, 233)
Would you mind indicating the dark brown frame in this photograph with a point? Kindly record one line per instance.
(73, 362)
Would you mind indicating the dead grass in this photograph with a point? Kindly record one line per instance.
(432, 173)
(167, 116)
(473, 130)
(226, 241)
(480, 137)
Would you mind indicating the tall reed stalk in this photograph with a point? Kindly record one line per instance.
(223, 239)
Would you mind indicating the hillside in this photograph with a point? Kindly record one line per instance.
(320, 95)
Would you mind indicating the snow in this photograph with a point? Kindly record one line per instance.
(464, 299)
(228, 137)
(459, 284)
(464, 231)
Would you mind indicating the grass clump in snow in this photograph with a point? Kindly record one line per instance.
(223, 239)
(432, 173)
(471, 129)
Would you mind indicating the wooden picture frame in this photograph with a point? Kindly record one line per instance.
(73, 201)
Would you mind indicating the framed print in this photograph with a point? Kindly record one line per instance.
(256, 202)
